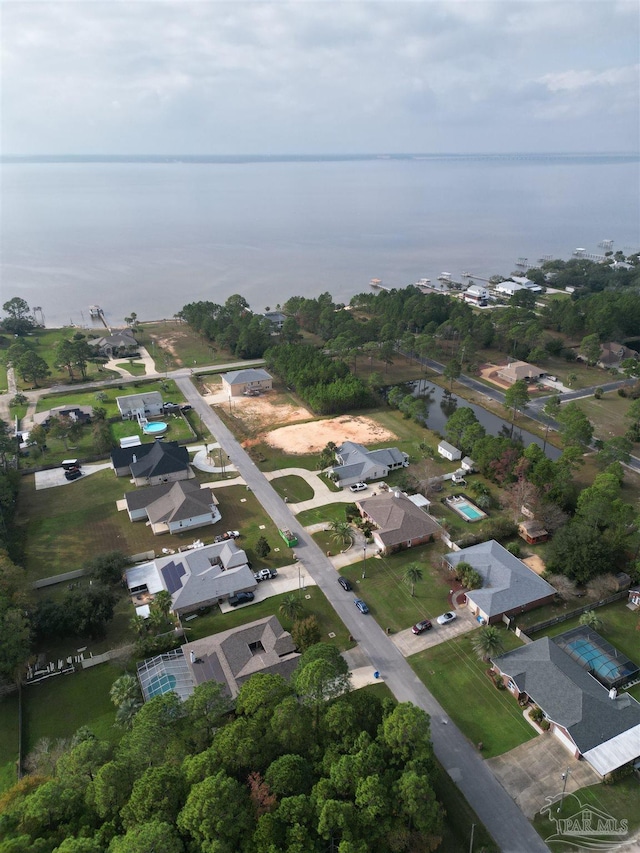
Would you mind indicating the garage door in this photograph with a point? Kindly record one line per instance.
(565, 740)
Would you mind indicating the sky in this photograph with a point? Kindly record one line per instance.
(269, 78)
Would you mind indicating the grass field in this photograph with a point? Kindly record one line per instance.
(326, 513)
(607, 415)
(135, 368)
(174, 344)
(167, 387)
(294, 489)
(458, 680)
(389, 595)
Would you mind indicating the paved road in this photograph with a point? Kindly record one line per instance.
(502, 818)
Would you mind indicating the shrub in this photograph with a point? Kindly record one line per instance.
(500, 529)
(514, 548)
(537, 715)
(598, 393)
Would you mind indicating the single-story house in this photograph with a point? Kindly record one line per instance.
(520, 370)
(230, 658)
(276, 318)
(356, 464)
(612, 354)
(237, 382)
(76, 414)
(140, 405)
(509, 586)
(526, 283)
(173, 507)
(591, 721)
(119, 344)
(152, 463)
(449, 451)
(195, 578)
(399, 522)
(532, 531)
(508, 288)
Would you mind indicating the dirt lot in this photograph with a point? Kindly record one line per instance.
(534, 562)
(312, 437)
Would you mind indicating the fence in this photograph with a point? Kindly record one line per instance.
(540, 626)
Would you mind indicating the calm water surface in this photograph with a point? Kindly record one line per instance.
(150, 237)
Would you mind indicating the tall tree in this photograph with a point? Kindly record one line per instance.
(516, 398)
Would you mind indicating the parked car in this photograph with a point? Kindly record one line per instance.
(360, 604)
(345, 584)
(420, 627)
(240, 598)
(73, 475)
(233, 534)
(70, 464)
(358, 487)
(186, 408)
(445, 618)
(265, 574)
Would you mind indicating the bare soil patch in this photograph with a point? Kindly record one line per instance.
(535, 563)
(313, 437)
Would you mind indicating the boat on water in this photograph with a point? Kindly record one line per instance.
(95, 311)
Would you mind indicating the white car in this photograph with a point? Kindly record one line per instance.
(358, 487)
(445, 618)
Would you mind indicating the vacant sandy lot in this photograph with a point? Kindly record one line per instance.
(534, 562)
(313, 437)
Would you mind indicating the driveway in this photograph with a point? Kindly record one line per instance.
(55, 476)
(289, 579)
(533, 771)
(408, 643)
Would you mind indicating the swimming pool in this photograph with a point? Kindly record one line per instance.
(465, 508)
(154, 428)
(159, 684)
(594, 654)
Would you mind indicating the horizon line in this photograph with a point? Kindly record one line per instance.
(318, 156)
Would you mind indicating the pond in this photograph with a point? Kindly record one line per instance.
(443, 404)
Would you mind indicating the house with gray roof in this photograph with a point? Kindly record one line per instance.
(448, 451)
(173, 507)
(399, 522)
(120, 343)
(238, 382)
(75, 414)
(229, 657)
(509, 586)
(132, 406)
(593, 723)
(195, 578)
(356, 464)
(165, 462)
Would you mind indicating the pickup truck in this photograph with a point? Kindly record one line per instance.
(265, 574)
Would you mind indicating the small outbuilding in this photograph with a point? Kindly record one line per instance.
(449, 451)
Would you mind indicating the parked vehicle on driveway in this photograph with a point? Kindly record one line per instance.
(445, 618)
(70, 464)
(240, 598)
(360, 604)
(265, 574)
(358, 487)
(420, 627)
(73, 475)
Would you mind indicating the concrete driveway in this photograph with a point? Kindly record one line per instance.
(289, 579)
(55, 476)
(533, 771)
(408, 643)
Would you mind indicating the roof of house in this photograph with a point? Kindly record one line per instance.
(532, 527)
(448, 447)
(233, 656)
(137, 401)
(163, 458)
(172, 501)
(477, 289)
(80, 413)
(119, 338)
(606, 731)
(197, 575)
(613, 352)
(250, 374)
(359, 463)
(520, 370)
(509, 287)
(507, 582)
(398, 519)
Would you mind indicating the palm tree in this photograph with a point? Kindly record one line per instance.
(291, 606)
(591, 619)
(341, 532)
(127, 711)
(413, 574)
(138, 625)
(125, 689)
(487, 642)
(162, 602)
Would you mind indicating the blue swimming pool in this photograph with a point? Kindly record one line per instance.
(154, 428)
(159, 684)
(465, 508)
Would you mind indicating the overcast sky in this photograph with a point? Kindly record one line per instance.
(319, 77)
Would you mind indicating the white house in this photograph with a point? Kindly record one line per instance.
(476, 293)
(143, 405)
(449, 451)
(527, 283)
(508, 288)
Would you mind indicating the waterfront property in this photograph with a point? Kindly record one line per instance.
(448, 451)
(591, 721)
(399, 522)
(119, 344)
(356, 464)
(509, 587)
(465, 508)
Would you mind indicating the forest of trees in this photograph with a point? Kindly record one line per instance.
(297, 767)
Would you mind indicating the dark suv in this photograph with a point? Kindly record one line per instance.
(240, 598)
(345, 584)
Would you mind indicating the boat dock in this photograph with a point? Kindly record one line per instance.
(96, 313)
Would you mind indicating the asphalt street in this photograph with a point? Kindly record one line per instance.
(503, 819)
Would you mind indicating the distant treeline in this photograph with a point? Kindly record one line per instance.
(327, 386)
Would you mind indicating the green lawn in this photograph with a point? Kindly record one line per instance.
(316, 605)
(620, 800)
(458, 680)
(607, 414)
(175, 344)
(388, 594)
(293, 488)
(317, 515)
(135, 368)
(167, 388)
